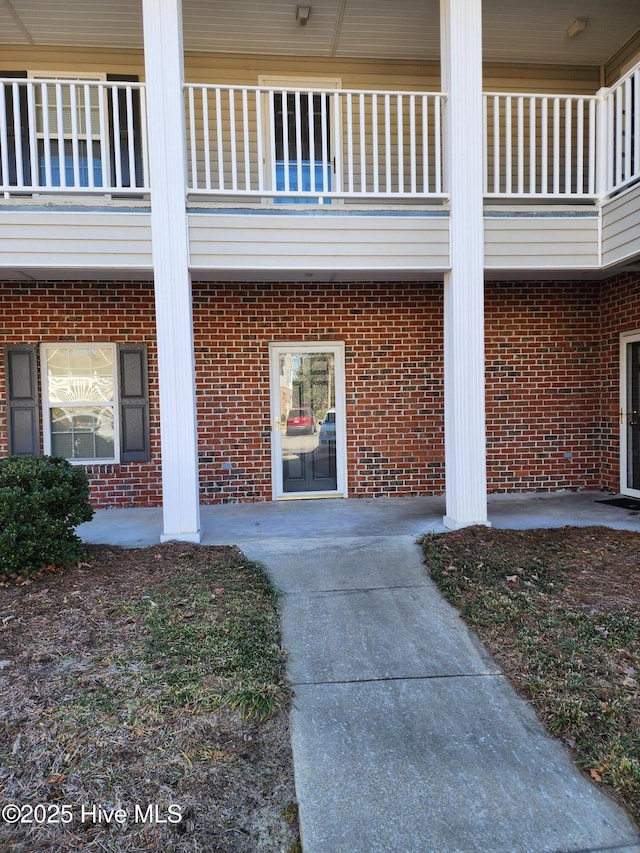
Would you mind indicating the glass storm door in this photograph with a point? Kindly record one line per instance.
(630, 415)
(308, 428)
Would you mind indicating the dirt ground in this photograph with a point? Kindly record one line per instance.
(83, 728)
(607, 577)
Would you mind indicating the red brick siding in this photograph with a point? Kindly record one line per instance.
(552, 378)
(393, 359)
(542, 387)
(393, 350)
(620, 312)
(79, 312)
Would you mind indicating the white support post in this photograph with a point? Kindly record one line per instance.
(465, 438)
(604, 149)
(163, 53)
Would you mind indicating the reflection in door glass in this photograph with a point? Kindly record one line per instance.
(308, 428)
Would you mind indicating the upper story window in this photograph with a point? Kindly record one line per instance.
(80, 394)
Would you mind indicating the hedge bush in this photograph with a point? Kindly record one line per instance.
(42, 499)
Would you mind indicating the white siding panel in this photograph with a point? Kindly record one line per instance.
(541, 242)
(621, 227)
(318, 242)
(75, 239)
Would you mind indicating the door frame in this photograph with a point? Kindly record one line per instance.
(294, 81)
(626, 338)
(337, 348)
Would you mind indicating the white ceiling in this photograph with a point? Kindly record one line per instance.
(514, 30)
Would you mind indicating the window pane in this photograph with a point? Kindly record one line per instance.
(82, 432)
(73, 97)
(80, 374)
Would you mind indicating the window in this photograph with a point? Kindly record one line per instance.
(79, 385)
(95, 401)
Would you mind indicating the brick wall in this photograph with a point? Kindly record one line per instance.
(620, 312)
(79, 312)
(552, 378)
(393, 353)
(543, 385)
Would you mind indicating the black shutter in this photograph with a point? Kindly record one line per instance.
(21, 143)
(23, 417)
(128, 180)
(135, 441)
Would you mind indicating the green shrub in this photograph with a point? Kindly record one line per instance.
(42, 499)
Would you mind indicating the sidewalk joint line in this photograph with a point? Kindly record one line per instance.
(361, 589)
(399, 678)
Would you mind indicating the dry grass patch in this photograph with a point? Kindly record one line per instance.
(560, 612)
(151, 681)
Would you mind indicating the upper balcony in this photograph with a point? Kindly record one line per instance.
(345, 115)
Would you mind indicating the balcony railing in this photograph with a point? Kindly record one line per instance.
(288, 145)
(72, 136)
(621, 116)
(319, 144)
(540, 146)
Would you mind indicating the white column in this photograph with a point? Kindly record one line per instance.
(163, 53)
(604, 146)
(465, 440)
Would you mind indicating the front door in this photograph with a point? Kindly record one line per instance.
(299, 122)
(307, 418)
(630, 414)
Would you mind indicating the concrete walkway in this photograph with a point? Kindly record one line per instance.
(406, 736)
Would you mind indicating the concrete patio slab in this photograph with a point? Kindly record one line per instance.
(330, 519)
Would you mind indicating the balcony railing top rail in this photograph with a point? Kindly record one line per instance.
(316, 145)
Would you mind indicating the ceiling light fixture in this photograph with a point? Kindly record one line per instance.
(302, 15)
(576, 27)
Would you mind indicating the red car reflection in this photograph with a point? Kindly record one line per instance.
(301, 421)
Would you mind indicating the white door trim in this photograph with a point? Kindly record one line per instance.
(626, 338)
(337, 348)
